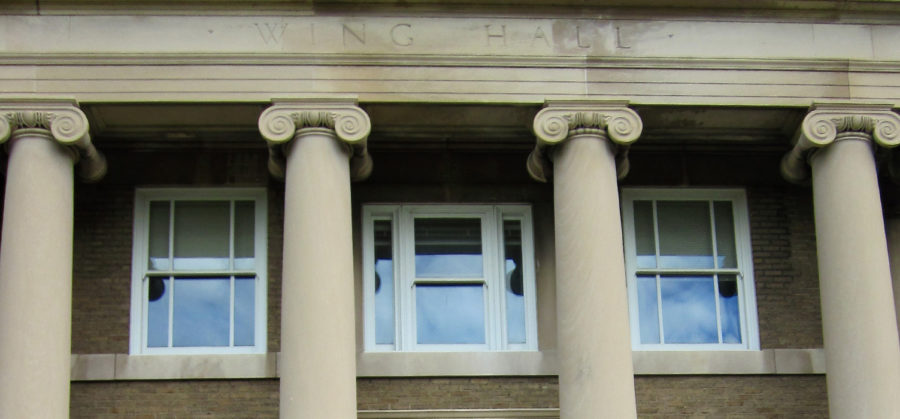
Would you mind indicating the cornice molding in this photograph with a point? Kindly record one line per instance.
(825, 122)
(559, 121)
(63, 122)
(281, 122)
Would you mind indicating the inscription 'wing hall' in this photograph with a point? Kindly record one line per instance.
(434, 209)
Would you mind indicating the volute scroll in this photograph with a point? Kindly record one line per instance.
(64, 122)
(558, 121)
(279, 123)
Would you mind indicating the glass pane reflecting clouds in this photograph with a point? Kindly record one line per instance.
(450, 314)
(648, 309)
(448, 247)
(244, 231)
(159, 290)
(725, 247)
(244, 310)
(728, 307)
(689, 310)
(202, 231)
(644, 238)
(384, 283)
(159, 235)
(514, 278)
(685, 236)
(201, 312)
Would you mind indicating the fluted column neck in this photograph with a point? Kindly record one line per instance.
(560, 121)
(828, 123)
(342, 119)
(61, 121)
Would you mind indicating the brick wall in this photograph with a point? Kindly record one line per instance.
(731, 396)
(784, 262)
(657, 397)
(175, 399)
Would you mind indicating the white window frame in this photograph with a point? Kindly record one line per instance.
(494, 280)
(139, 289)
(744, 270)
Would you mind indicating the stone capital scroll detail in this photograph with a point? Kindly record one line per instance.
(66, 124)
(279, 123)
(823, 124)
(560, 120)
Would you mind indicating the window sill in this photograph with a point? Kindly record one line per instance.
(109, 367)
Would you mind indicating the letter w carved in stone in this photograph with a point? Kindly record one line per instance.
(271, 33)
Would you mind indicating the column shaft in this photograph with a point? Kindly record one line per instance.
(36, 278)
(860, 329)
(318, 351)
(596, 374)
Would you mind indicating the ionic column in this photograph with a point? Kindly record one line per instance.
(596, 377)
(324, 144)
(45, 140)
(862, 351)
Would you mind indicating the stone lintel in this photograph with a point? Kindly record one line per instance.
(64, 122)
(560, 120)
(279, 123)
(823, 124)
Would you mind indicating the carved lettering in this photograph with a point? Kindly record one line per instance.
(359, 33)
(539, 34)
(581, 44)
(400, 40)
(619, 39)
(271, 33)
(491, 34)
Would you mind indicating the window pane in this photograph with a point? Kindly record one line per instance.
(689, 310)
(201, 312)
(244, 230)
(201, 235)
(158, 290)
(384, 283)
(159, 235)
(729, 308)
(644, 240)
(514, 279)
(725, 234)
(450, 314)
(244, 310)
(448, 247)
(685, 238)
(648, 309)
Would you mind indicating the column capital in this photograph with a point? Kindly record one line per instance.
(559, 121)
(823, 124)
(64, 122)
(280, 122)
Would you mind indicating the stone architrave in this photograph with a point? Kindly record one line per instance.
(45, 140)
(323, 145)
(862, 350)
(580, 140)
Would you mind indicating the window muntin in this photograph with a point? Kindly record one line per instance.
(442, 277)
(199, 270)
(690, 278)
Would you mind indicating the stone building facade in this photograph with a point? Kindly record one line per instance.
(330, 209)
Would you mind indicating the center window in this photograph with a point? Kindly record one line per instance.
(449, 278)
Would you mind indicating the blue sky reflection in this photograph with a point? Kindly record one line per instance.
(450, 314)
